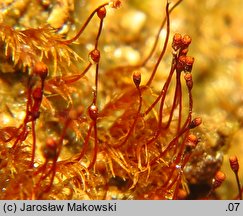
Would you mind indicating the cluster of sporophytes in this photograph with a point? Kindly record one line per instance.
(74, 130)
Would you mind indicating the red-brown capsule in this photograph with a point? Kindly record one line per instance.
(136, 78)
(195, 122)
(101, 13)
(186, 40)
(181, 63)
(192, 141)
(234, 164)
(115, 4)
(185, 63)
(41, 70)
(50, 148)
(188, 78)
(94, 56)
(93, 112)
(218, 179)
(177, 41)
(189, 60)
(189, 63)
